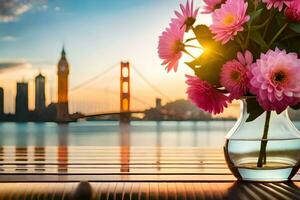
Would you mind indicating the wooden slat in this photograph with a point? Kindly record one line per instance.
(153, 191)
(134, 164)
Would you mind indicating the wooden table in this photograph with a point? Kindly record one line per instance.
(128, 173)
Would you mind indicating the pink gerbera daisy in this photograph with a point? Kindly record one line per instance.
(234, 75)
(276, 3)
(292, 12)
(205, 96)
(188, 15)
(170, 46)
(275, 78)
(211, 5)
(229, 20)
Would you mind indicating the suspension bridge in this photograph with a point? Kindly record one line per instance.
(115, 82)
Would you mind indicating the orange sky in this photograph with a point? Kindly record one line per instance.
(94, 41)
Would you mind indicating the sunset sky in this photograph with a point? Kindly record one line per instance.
(97, 34)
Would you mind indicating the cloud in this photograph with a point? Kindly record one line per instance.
(8, 38)
(45, 7)
(7, 66)
(10, 10)
(57, 9)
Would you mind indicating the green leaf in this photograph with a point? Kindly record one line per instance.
(288, 36)
(258, 27)
(256, 37)
(254, 109)
(254, 15)
(208, 67)
(250, 6)
(230, 50)
(280, 19)
(205, 37)
(295, 27)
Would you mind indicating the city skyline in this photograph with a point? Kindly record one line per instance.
(101, 35)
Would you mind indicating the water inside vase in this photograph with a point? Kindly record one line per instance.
(282, 158)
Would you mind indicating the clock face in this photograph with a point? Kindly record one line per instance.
(62, 68)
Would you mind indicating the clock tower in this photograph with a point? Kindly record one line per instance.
(62, 88)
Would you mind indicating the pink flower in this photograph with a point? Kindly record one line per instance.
(211, 5)
(205, 96)
(275, 78)
(234, 75)
(170, 46)
(229, 20)
(292, 12)
(276, 3)
(188, 15)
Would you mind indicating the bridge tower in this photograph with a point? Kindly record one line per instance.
(125, 92)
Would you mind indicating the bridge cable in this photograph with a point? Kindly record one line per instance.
(94, 78)
(133, 97)
(150, 84)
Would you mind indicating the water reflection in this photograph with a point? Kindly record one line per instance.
(105, 133)
(158, 145)
(62, 149)
(21, 149)
(178, 133)
(39, 150)
(2, 152)
(195, 134)
(125, 148)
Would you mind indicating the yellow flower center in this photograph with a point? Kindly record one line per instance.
(279, 77)
(178, 46)
(229, 19)
(235, 76)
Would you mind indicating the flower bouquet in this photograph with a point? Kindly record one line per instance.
(249, 52)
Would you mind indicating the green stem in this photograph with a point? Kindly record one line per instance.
(193, 46)
(272, 14)
(188, 53)
(278, 34)
(248, 35)
(190, 39)
(262, 159)
(240, 42)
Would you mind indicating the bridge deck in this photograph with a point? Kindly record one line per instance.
(136, 172)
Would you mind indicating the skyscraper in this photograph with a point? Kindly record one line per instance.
(40, 102)
(22, 99)
(62, 101)
(158, 103)
(1, 101)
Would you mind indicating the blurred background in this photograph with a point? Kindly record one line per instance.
(89, 65)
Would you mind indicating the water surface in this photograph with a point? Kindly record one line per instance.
(107, 133)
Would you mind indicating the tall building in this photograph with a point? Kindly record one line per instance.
(22, 99)
(1, 101)
(62, 95)
(40, 100)
(158, 103)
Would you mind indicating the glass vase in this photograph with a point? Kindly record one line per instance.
(265, 149)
